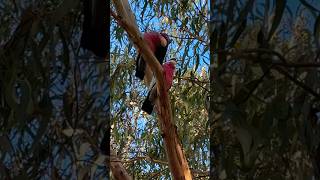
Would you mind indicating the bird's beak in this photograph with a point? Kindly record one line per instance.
(166, 37)
(173, 61)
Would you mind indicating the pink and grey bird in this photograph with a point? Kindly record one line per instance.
(158, 43)
(169, 70)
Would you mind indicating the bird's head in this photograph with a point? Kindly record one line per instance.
(172, 63)
(166, 37)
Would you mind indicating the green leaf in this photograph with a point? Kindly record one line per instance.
(197, 62)
(238, 32)
(245, 91)
(233, 112)
(280, 107)
(98, 162)
(280, 6)
(311, 7)
(242, 21)
(230, 10)
(65, 55)
(244, 12)
(267, 121)
(83, 149)
(83, 172)
(65, 7)
(245, 139)
(316, 31)
(144, 8)
(70, 132)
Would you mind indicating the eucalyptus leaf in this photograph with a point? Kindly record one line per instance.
(280, 7)
(316, 31)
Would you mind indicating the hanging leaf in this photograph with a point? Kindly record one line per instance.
(245, 11)
(311, 7)
(65, 7)
(98, 162)
(280, 6)
(316, 31)
(84, 147)
(230, 11)
(238, 32)
(70, 132)
(197, 62)
(65, 55)
(245, 139)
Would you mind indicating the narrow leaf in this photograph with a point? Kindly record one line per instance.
(280, 6)
(307, 5)
(239, 31)
(316, 31)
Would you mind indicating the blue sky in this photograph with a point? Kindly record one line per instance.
(155, 24)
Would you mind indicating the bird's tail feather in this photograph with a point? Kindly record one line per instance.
(139, 74)
(140, 67)
(147, 105)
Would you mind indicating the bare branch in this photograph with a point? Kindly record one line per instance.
(177, 161)
(118, 170)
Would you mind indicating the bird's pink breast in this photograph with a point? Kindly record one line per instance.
(153, 40)
(169, 73)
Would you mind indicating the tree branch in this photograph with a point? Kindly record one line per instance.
(177, 161)
(117, 169)
(297, 82)
(196, 81)
(283, 63)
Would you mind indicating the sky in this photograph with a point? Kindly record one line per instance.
(156, 24)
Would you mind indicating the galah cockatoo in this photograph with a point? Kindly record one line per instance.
(169, 70)
(158, 43)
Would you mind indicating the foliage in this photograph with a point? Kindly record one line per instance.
(135, 135)
(263, 99)
(54, 95)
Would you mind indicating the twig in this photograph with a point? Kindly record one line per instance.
(263, 50)
(199, 38)
(145, 158)
(76, 91)
(298, 83)
(283, 62)
(200, 12)
(118, 170)
(183, 37)
(196, 82)
(298, 65)
(256, 85)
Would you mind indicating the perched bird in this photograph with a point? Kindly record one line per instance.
(169, 69)
(158, 43)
